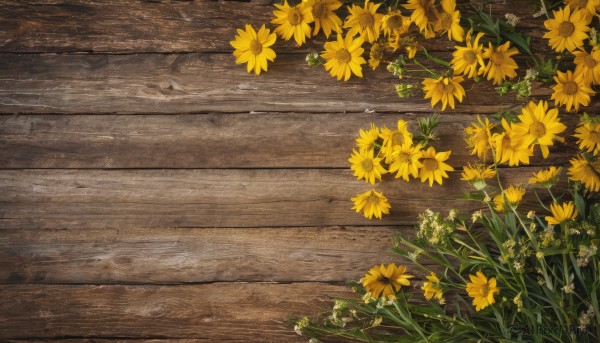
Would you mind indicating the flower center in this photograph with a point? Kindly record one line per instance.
(590, 62)
(485, 289)
(595, 137)
(403, 157)
(366, 20)
(394, 22)
(445, 21)
(498, 58)
(537, 129)
(430, 11)
(319, 10)
(445, 88)
(430, 164)
(255, 46)
(566, 28)
(580, 3)
(506, 142)
(373, 199)
(294, 17)
(384, 280)
(343, 56)
(367, 165)
(397, 138)
(570, 88)
(470, 57)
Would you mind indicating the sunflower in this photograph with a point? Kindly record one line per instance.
(366, 166)
(344, 57)
(406, 160)
(371, 203)
(475, 175)
(432, 289)
(324, 15)
(253, 48)
(510, 148)
(434, 167)
(385, 281)
(567, 30)
(546, 177)
(392, 138)
(590, 6)
(562, 213)
(364, 21)
(509, 198)
(424, 15)
(367, 138)
(478, 137)
(293, 21)
(588, 65)
(394, 24)
(570, 90)
(449, 21)
(588, 137)
(468, 60)
(586, 172)
(482, 290)
(444, 89)
(500, 65)
(539, 126)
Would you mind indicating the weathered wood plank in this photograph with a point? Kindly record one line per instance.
(159, 256)
(247, 140)
(54, 198)
(203, 82)
(252, 312)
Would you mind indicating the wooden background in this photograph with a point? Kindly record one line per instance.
(150, 188)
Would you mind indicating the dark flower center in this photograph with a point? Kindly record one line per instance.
(570, 88)
(319, 10)
(255, 46)
(394, 22)
(366, 20)
(566, 28)
(343, 56)
(537, 129)
(295, 17)
(430, 164)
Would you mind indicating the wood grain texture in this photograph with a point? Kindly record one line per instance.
(247, 140)
(224, 311)
(205, 82)
(54, 198)
(171, 256)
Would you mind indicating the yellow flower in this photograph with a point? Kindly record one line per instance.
(406, 160)
(444, 89)
(546, 177)
(562, 213)
(510, 148)
(482, 290)
(293, 21)
(567, 30)
(432, 288)
(500, 65)
(449, 21)
(394, 24)
(364, 21)
(588, 173)
(434, 167)
(590, 6)
(539, 126)
(478, 137)
(366, 166)
(253, 48)
(510, 197)
(475, 175)
(570, 90)
(468, 60)
(398, 137)
(324, 15)
(588, 137)
(344, 57)
(588, 65)
(376, 55)
(371, 203)
(385, 281)
(424, 15)
(367, 138)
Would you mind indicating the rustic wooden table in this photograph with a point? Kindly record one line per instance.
(151, 188)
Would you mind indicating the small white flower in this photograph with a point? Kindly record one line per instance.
(531, 214)
(511, 19)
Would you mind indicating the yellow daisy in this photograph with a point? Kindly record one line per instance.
(510, 148)
(588, 137)
(424, 15)
(562, 213)
(482, 290)
(324, 15)
(344, 57)
(588, 65)
(434, 168)
(546, 177)
(253, 48)
(539, 126)
(394, 24)
(499, 203)
(567, 29)
(444, 89)
(393, 138)
(570, 90)
(478, 137)
(500, 65)
(364, 21)
(385, 281)
(406, 161)
(432, 289)
(367, 138)
(366, 166)
(513, 195)
(468, 60)
(293, 21)
(449, 21)
(371, 203)
(586, 172)
(475, 175)
(590, 6)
